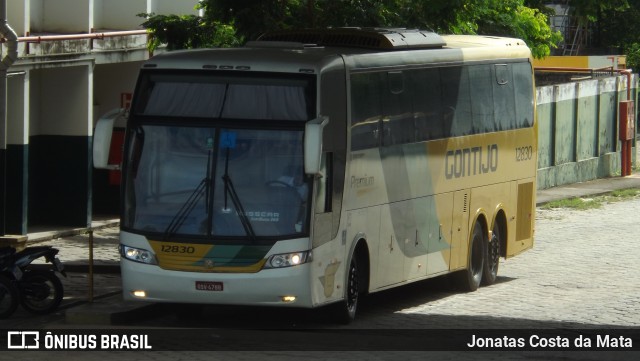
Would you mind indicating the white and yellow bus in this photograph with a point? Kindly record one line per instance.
(312, 167)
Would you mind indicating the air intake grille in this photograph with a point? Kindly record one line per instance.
(371, 38)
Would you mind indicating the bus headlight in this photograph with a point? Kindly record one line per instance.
(288, 259)
(137, 254)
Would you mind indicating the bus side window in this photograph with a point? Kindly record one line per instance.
(523, 90)
(325, 182)
(397, 108)
(455, 101)
(427, 104)
(480, 82)
(366, 111)
(503, 97)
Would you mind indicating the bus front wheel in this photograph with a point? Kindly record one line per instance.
(469, 279)
(345, 311)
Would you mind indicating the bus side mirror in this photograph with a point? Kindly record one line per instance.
(102, 140)
(313, 145)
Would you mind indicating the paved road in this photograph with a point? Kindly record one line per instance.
(582, 273)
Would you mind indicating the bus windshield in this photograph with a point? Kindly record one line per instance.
(218, 157)
(209, 96)
(216, 182)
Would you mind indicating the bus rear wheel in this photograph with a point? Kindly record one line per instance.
(492, 259)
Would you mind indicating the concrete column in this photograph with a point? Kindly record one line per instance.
(17, 156)
(60, 145)
(10, 54)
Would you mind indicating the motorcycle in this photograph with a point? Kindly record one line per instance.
(38, 290)
(9, 296)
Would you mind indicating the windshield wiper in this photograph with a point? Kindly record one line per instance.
(229, 190)
(203, 188)
(186, 209)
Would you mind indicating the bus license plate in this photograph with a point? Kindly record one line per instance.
(209, 286)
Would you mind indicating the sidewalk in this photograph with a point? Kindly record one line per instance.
(107, 306)
(587, 189)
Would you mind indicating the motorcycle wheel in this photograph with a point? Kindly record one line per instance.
(41, 292)
(9, 297)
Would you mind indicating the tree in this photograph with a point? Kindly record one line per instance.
(188, 31)
(490, 17)
(599, 14)
(254, 17)
(619, 28)
(614, 25)
(513, 18)
(247, 19)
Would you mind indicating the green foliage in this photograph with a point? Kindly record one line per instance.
(574, 203)
(595, 202)
(626, 193)
(254, 17)
(615, 26)
(591, 10)
(532, 26)
(226, 22)
(633, 56)
(366, 13)
(512, 18)
(187, 31)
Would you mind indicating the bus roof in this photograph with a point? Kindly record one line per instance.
(469, 41)
(283, 54)
(370, 38)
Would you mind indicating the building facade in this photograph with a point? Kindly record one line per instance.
(76, 60)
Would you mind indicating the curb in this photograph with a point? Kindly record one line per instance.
(49, 235)
(110, 310)
(81, 268)
(97, 268)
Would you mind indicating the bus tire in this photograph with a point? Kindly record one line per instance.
(345, 310)
(9, 297)
(469, 280)
(492, 259)
(41, 292)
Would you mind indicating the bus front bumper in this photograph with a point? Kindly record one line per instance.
(286, 287)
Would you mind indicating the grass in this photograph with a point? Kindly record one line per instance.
(574, 203)
(623, 194)
(595, 202)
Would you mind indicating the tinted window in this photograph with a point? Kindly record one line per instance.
(482, 98)
(503, 97)
(211, 96)
(397, 110)
(456, 100)
(366, 109)
(524, 94)
(425, 104)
